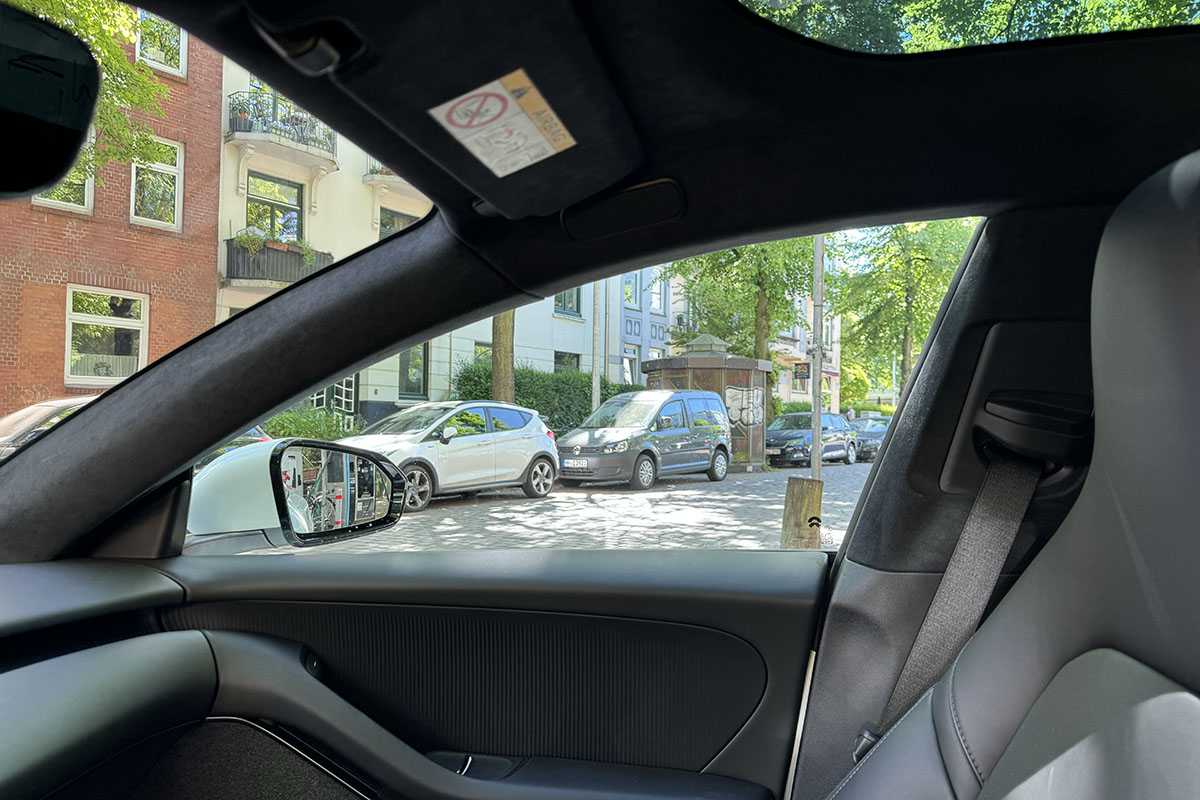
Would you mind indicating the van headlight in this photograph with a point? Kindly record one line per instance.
(616, 447)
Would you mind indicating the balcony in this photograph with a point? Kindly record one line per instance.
(381, 176)
(271, 264)
(272, 125)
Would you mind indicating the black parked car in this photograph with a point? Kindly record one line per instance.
(789, 439)
(870, 431)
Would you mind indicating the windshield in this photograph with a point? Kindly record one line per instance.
(791, 422)
(870, 424)
(202, 191)
(622, 412)
(410, 420)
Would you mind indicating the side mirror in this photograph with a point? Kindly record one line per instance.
(448, 433)
(49, 83)
(294, 492)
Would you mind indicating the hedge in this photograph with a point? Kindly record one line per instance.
(859, 408)
(564, 397)
(311, 423)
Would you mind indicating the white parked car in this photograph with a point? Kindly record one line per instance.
(463, 447)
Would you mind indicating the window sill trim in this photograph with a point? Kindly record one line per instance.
(155, 225)
(568, 315)
(170, 72)
(58, 205)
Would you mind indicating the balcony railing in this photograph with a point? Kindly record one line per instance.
(270, 264)
(376, 167)
(269, 112)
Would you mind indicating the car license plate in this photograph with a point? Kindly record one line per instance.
(773, 451)
(575, 463)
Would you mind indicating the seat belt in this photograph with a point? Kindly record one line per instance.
(966, 586)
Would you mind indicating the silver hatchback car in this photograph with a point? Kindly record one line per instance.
(463, 447)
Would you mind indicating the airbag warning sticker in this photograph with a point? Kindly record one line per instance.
(506, 124)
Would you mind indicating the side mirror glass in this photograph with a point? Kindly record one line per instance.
(294, 492)
(49, 83)
(323, 489)
(448, 433)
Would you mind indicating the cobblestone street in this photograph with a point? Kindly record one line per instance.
(745, 511)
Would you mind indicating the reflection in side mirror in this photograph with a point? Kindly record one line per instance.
(323, 489)
(49, 83)
(448, 433)
(297, 492)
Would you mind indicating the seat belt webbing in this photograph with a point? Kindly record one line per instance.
(966, 586)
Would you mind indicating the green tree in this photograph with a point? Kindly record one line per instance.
(745, 295)
(854, 383)
(129, 91)
(917, 26)
(893, 281)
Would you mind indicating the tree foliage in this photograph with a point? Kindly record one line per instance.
(893, 281)
(915, 26)
(129, 91)
(745, 295)
(564, 397)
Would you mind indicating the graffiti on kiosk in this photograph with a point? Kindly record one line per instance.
(745, 406)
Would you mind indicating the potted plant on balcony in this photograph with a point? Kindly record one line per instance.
(275, 243)
(307, 252)
(250, 241)
(239, 114)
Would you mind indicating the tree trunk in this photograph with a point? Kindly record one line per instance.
(503, 377)
(762, 347)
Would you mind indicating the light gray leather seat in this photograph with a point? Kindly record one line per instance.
(1083, 681)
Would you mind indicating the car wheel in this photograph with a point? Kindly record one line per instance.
(851, 453)
(720, 466)
(420, 488)
(570, 483)
(644, 473)
(540, 480)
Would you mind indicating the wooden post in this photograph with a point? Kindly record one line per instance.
(802, 515)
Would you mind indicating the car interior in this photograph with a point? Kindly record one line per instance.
(129, 670)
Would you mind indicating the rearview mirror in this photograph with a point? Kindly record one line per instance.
(49, 83)
(448, 433)
(294, 492)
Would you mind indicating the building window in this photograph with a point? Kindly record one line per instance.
(74, 193)
(566, 362)
(341, 398)
(657, 352)
(393, 221)
(162, 44)
(273, 206)
(631, 289)
(156, 193)
(567, 302)
(414, 372)
(106, 335)
(483, 352)
(658, 294)
(629, 364)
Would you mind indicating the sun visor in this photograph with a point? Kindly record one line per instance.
(509, 98)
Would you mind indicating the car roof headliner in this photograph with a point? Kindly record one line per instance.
(766, 133)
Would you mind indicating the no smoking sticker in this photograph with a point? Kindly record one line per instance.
(507, 124)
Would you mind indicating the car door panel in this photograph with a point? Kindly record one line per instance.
(468, 459)
(513, 446)
(615, 673)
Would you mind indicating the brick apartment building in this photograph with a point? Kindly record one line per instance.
(97, 280)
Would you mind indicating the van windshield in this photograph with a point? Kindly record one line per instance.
(622, 412)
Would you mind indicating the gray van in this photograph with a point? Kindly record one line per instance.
(637, 436)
